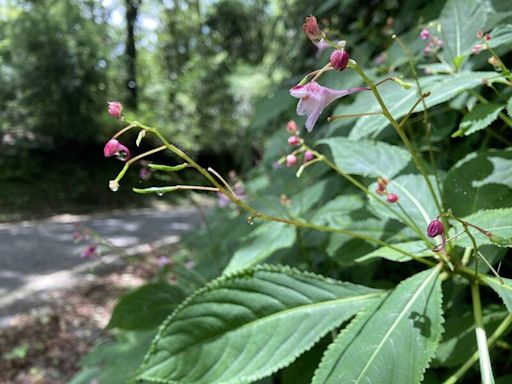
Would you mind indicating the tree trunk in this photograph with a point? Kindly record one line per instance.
(132, 10)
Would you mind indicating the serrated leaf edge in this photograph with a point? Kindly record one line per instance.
(277, 268)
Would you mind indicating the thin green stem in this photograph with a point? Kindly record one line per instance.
(256, 214)
(481, 337)
(134, 159)
(500, 331)
(401, 133)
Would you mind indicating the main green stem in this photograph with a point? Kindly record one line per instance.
(401, 133)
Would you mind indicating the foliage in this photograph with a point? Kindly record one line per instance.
(432, 151)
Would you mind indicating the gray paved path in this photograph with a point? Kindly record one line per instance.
(38, 256)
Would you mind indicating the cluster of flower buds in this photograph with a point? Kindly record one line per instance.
(295, 140)
(433, 43)
(479, 47)
(381, 189)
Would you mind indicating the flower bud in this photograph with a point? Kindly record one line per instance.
(115, 148)
(435, 228)
(294, 140)
(479, 34)
(476, 49)
(339, 59)
(308, 156)
(292, 127)
(312, 29)
(487, 37)
(424, 34)
(392, 198)
(115, 109)
(291, 160)
(382, 183)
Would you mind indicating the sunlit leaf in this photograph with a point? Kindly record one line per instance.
(392, 341)
(246, 326)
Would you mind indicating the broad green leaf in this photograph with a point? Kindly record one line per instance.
(336, 212)
(503, 290)
(263, 242)
(414, 197)
(481, 180)
(460, 21)
(497, 221)
(270, 108)
(458, 342)
(399, 101)
(146, 307)
(364, 157)
(417, 248)
(392, 341)
(245, 326)
(479, 118)
(509, 107)
(114, 362)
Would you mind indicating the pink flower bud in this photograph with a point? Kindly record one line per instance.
(294, 140)
(392, 198)
(476, 49)
(115, 148)
(115, 109)
(487, 37)
(312, 29)
(292, 127)
(424, 34)
(89, 251)
(382, 183)
(435, 228)
(291, 160)
(308, 156)
(339, 59)
(479, 34)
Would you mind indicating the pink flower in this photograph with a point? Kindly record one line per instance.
(311, 29)
(314, 98)
(392, 198)
(291, 160)
(424, 34)
(476, 49)
(88, 251)
(115, 109)
(339, 59)
(294, 140)
(308, 156)
(115, 148)
(291, 127)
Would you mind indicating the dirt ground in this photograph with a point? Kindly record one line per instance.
(45, 345)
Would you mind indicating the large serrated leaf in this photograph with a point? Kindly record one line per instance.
(481, 180)
(479, 118)
(503, 290)
(460, 21)
(399, 101)
(245, 326)
(497, 221)
(364, 157)
(146, 307)
(264, 241)
(392, 341)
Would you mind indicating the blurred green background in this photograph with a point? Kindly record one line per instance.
(203, 71)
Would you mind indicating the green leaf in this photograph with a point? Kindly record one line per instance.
(365, 157)
(336, 212)
(501, 35)
(417, 248)
(269, 109)
(479, 118)
(414, 197)
(399, 101)
(263, 242)
(496, 221)
(460, 21)
(504, 291)
(245, 326)
(481, 180)
(392, 341)
(509, 107)
(146, 307)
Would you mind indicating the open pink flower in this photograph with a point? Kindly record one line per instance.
(314, 98)
(115, 148)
